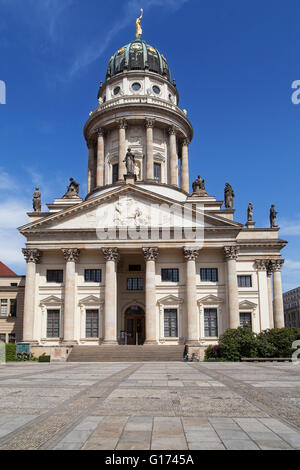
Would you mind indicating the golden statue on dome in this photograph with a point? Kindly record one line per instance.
(139, 30)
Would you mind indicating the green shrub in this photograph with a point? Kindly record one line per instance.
(10, 352)
(44, 358)
(237, 343)
(278, 342)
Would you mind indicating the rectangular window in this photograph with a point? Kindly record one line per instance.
(134, 267)
(244, 281)
(12, 338)
(91, 324)
(171, 275)
(245, 318)
(210, 322)
(53, 323)
(208, 274)
(157, 172)
(55, 275)
(2, 338)
(135, 283)
(92, 275)
(4, 303)
(13, 307)
(13, 284)
(115, 173)
(170, 323)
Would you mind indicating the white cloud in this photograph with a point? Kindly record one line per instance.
(6, 182)
(290, 227)
(292, 265)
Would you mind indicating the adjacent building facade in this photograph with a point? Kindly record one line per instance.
(142, 259)
(11, 305)
(291, 304)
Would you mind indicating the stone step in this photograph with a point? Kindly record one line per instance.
(117, 353)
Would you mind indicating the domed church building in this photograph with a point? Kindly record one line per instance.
(144, 260)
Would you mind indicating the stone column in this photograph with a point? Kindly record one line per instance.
(122, 148)
(270, 300)
(231, 255)
(185, 183)
(193, 325)
(111, 256)
(150, 255)
(149, 154)
(91, 170)
(71, 256)
(32, 257)
(264, 310)
(277, 293)
(173, 157)
(100, 158)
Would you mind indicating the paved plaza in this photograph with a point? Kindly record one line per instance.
(142, 406)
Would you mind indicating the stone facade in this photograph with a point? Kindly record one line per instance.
(291, 304)
(11, 305)
(143, 260)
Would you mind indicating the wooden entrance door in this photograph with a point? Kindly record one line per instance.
(135, 325)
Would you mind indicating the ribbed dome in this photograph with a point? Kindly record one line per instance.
(138, 55)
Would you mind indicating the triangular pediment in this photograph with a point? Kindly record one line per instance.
(129, 206)
(51, 300)
(90, 300)
(170, 300)
(247, 305)
(210, 300)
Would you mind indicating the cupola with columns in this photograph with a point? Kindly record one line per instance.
(138, 108)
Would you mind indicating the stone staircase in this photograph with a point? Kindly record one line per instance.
(117, 353)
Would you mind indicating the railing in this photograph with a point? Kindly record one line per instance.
(140, 100)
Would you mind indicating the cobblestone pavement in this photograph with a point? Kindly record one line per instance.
(137, 406)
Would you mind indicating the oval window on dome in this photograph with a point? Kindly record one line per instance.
(156, 89)
(136, 86)
(117, 90)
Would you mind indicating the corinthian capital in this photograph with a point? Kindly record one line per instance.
(276, 264)
(172, 130)
(190, 254)
(231, 252)
(261, 264)
(71, 254)
(122, 123)
(32, 255)
(110, 254)
(149, 122)
(150, 254)
(185, 142)
(100, 132)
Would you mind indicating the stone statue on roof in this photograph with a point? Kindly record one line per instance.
(139, 30)
(37, 202)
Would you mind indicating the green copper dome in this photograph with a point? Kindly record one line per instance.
(138, 55)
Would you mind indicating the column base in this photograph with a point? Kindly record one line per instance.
(72, 342)
(150, 342)
(192, 342)
(109, 342)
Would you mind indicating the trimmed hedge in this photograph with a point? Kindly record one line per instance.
(10, 352)
(44, 358)
(242, 342)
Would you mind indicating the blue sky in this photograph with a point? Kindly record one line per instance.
(234, 63)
